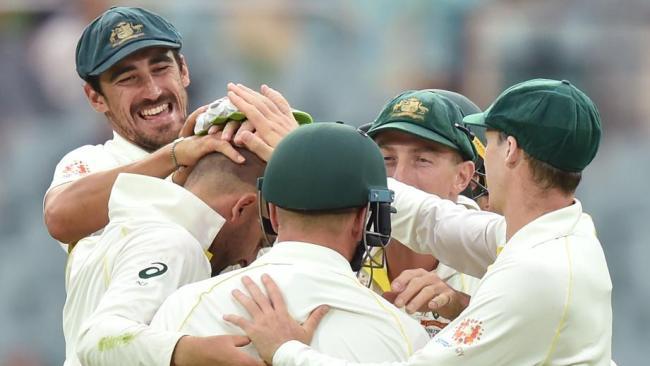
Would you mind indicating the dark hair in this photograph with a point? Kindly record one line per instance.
(93, 80)
(547, 176)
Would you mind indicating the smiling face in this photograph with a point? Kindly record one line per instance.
(144, 97)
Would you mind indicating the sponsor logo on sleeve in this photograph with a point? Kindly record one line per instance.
(76, 168)
(468, 332)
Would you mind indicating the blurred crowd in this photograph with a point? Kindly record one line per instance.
(338, 60)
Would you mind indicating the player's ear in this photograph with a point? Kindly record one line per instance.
(464, 175)
(245, 203)
(359, 223)
(273, 216)
(96, 99)
(185, 72)
(514, 154)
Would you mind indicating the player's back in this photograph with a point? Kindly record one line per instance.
(360, 326)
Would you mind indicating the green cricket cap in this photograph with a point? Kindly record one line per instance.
(553, 121)
(119, 32)
(428, 115)
(324, 166)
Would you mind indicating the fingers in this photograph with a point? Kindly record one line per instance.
(245, 126)
(229, 130)
(188, 126)
(239, 340)
(420, 301)
(275, 295)
(238, 321)
(180, 176)
(253, 115)
(253, 98)
(249, 304)
(314, 319)
(225, 148)
(214, 129)
(257, 295)
(256, 145)
(404, 278)
(422, 286)
(276, 98)
(439, 301)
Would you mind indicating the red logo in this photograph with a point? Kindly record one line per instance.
(77, 167)
(468, 331)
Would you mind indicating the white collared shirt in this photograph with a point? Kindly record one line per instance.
(88, 159)
(546, 299)
(154, 243)
(360, 326)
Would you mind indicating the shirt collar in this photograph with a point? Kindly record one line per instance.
(138, 197)
(312, 255)
(550, 226)
(128, 148)
(469, 203)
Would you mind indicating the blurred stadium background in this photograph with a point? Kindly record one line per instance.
(339, 60)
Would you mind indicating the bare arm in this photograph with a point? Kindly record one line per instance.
(77, 209)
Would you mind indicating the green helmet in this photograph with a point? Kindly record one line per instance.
(325, 166)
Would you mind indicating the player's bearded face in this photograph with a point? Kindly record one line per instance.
(146, 97)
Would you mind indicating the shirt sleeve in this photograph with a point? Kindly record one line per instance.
(80, 162)
(151, 267)
(463, 239)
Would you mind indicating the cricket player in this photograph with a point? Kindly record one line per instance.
(545, 293)
(160, 236)
(134, 74)
(424, 146)
(319, 208)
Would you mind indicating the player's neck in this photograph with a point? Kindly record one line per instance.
(339, 244)
(526, 202)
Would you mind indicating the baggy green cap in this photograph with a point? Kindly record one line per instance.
(553, 121)
(119, 32)
(428, 115)
(324, 166)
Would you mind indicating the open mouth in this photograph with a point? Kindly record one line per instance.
(156, 111)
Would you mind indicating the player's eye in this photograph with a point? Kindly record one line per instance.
(126, 79)
(161, 68)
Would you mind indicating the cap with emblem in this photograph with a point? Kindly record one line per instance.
(553, 121)
(325, 166)
(119, 32)
(426, 114)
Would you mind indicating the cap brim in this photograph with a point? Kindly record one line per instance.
(413, 129)
(477, 119)
(129, 49)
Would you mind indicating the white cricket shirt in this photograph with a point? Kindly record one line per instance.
(360, 326)
(546, 299)
(88, 159)
(154, 243)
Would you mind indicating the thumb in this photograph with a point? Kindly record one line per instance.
(314, 319)
(188, 126)
(239, 340)
(256, 145)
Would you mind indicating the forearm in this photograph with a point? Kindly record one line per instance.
(77, 209)
(119, 341)
(463, 239)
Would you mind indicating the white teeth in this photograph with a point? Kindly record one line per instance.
(156, 110)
